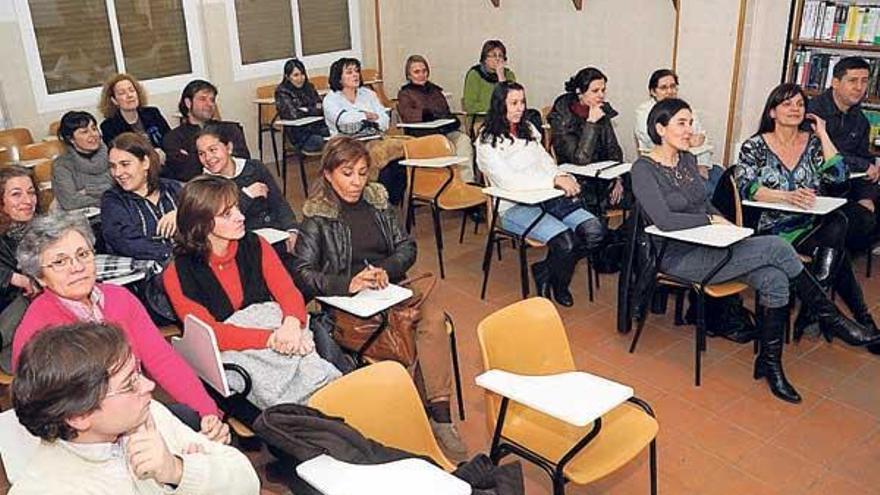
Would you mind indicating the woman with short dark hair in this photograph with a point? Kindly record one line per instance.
(80, 175)
(510, 154)
(139, 211)
(350, 107)
(296, 98)
(671, 192)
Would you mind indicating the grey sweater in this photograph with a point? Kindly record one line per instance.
(79, 181)
(673, 198)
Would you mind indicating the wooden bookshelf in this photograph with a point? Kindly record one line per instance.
(859, 47)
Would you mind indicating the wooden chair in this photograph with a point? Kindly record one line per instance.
(441, 189)
(381, 402)
(43, 149)
(53, 129)
(321, 83)
(7, 155)
(373, 80)
(548, 132)
(528, 338)
(266, 115)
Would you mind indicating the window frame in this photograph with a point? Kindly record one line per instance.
(270, 68)
(88, 97)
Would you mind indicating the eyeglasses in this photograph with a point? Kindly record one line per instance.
(132, 385)
(61, 263)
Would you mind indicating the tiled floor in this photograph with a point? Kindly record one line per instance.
(729, 436)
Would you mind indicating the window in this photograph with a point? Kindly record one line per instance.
(74, 45)
(267, 32)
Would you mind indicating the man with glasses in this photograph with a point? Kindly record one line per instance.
(81, 390)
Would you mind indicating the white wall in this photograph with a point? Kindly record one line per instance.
(547, 42)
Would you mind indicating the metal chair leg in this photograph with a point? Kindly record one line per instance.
(589, 280)
(653, 466)
(302, 174)
(464, 216)
(272, 132)
(456, 370)
(487, 262)
(523, 269)
(438, 237)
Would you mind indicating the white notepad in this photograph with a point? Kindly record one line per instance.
(368, 302)
(271, 235)
(431, 124)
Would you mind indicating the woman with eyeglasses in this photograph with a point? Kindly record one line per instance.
(57, 251)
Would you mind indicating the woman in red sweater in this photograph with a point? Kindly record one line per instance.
(57, 250)
(234, 281)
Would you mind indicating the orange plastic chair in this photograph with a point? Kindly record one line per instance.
(528, 338)
(441, 189)
(381, 402)
(44, 149)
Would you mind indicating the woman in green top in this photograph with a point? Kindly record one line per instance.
(787, 161)
(480, 80)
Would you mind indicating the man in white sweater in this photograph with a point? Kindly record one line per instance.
(80, 389)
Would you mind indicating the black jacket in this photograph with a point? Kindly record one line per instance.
(322, 265)
(129, 222)
(295, 103)
(154, 124)
(580, 142)
(271, 211)
(847, 130)
(8, 266)
(182, 159)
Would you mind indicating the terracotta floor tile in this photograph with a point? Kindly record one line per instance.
(782, 469)
(804, 374)
(825, 432)
(832, 483)
(861, 461)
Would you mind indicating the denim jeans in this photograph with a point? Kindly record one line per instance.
(518, 218)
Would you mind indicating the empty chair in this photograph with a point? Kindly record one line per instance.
(44, 149)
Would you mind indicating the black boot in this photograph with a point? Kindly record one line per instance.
(561, 279)
(848, 288)
(805, 323)
(561, 260)
(824, 265)
(768, 364)
(542, 278)
(831, 321)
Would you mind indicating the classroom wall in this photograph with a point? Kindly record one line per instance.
(546, 45)
(235, 97)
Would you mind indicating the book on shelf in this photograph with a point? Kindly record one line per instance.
(840, 22)
(813, 69)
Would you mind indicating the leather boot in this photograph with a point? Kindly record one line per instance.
(848, 288)
(805, 323)
(824, 265)
(768, 364)
(563, 270)
(541, 275)
(831, 321)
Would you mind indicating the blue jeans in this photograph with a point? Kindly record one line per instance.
(518, 218)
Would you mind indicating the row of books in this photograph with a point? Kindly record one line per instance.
(813, 69)
(841, 22)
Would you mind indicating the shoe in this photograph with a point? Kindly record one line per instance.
(450, 441)
(824, 265)
(851, 293)
(768, 364)
(805, 323)
(831, 321)
(476, 215)
(563, 296)
(541, 275)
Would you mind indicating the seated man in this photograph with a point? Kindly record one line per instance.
(197, 106)
(80, 389)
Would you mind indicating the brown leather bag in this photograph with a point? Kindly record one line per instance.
(397, 341)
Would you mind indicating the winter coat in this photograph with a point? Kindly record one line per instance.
(129, 221)
(154, 124)
(580, 142)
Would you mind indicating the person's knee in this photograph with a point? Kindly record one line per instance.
(784, 256)
(867, 204)
(563, 243)
(591, 232)
(774, 289)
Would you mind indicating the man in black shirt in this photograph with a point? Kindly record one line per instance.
(197, 106)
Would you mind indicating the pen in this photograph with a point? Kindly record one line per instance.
(607, 167)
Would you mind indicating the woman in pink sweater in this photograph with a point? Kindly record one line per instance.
(58, 251)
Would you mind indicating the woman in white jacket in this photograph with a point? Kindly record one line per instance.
(510, 154)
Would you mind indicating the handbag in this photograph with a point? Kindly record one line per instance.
(396, 341)
(359, 129)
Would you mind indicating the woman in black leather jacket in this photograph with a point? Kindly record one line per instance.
(582, 131)
(351, 240)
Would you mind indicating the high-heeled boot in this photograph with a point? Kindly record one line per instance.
(824, 267)
(850, 292)
(831, 321)
(561, 260)
(541, 274)
(768, 364)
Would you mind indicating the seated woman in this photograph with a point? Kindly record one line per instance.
(420, 100)
(352, 109)
(663, 84)
(260, 199)
(81, 175)
(296, 98)
(233, 281)
(510, 154)
(57, 250)
(670, 190)
(18, 204)
(786, 163)
(352, 240)
(583, 132)
(140, 211)
(480, 80)
(124, 106)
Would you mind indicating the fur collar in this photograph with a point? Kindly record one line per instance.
(325, 204)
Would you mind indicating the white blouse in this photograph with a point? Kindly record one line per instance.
(337, 106)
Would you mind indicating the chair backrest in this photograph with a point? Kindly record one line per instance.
(726, 197)
(44, 149)
(7, 155)
(267, 112)
(53, 128)
(378, 86)
(320, 82)
(17, 445)
(16, 137)
(527, 337)
(199, 348)
(381, 402)
(426, 182)
(548, 133)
